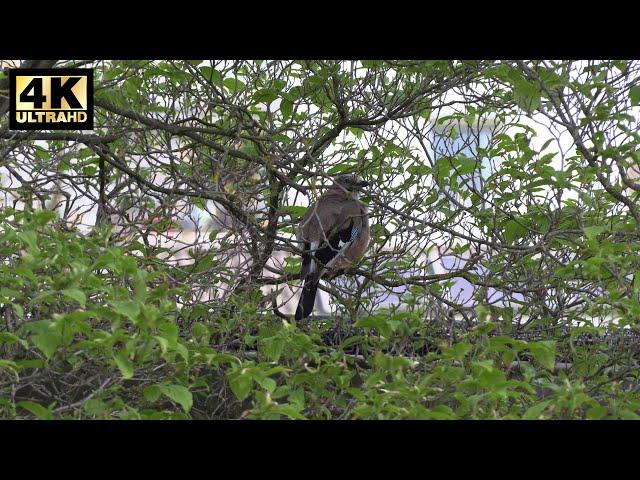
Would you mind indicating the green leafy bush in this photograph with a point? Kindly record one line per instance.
(92, 330)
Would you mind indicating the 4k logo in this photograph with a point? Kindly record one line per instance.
(51, 99)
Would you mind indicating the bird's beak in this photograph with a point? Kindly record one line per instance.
(363, 184)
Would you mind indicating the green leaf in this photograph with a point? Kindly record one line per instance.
(544, 352)
(170, 332)
(266, 95)
(294, 210)
(513, 230)
(128, 309)
(339, 168)
(273, 348)
(551, 79)
(213, 75)
(358, 132)
(124, 364)
(29, 238)
(527, 95)
(465, 165)
(9, 364)
(597, 412)
(75, 294)
(443, 167)
(291, 412)
(628, 415)
(594, 231)
(217, 358)
(132, 86)
(31, 363)
(292, 265)
(206, 262)
(182, 351)
(241, 385)
(94, 406)
(279, 84)
(6, 337)
(152, 393)
(534, 412)
(179, 394)
(312, 83)
(48, 340)
(634, 95)
(460, 350)
(384, 324)
(19, 310)
(286, 107)
(37, 409)
(163, 342)
(233, 84)
(269, 384)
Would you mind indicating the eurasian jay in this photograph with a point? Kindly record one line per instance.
(334, 234)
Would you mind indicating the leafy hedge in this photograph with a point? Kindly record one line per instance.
(94, 330)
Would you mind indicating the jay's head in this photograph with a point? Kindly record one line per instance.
(350, 182)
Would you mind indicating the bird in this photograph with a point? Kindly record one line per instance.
(334, 234)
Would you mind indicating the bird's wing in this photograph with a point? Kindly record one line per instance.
(328, 228)
(337, 242)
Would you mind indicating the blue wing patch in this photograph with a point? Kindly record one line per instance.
(355, 231)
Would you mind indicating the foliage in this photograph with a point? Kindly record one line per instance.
(107, 345)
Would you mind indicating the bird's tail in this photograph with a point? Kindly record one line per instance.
(308, 297)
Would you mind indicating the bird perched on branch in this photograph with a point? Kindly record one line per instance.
(334, 234)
